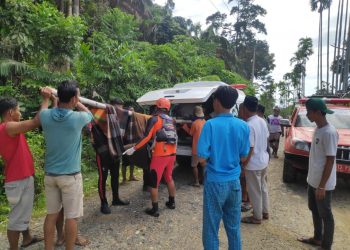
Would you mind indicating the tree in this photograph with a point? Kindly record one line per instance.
(320, 6)
(247, 24)
(243, 36)
(299, 60)
(40, 45)
(267, 98)
(76, 7)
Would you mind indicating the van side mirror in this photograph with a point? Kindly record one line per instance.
(285, 123)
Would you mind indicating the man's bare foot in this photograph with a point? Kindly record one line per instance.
(59, 242)
(133, 178)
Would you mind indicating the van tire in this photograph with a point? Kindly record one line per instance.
(289, 173)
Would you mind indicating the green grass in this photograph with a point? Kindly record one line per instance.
(39, 210)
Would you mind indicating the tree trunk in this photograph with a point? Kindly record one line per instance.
(76, 7)
(335, 48)
(62, 5)
(69, 7)
(321, 44)
(318, 55)
(344, 50)
(346, 66)
(329, 11)
(339, 44)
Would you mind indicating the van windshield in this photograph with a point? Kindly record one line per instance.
(340, 119)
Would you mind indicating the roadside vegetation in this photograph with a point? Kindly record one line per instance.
(120, 48)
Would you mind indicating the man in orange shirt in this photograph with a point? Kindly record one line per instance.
(161, 129)
(195, 132)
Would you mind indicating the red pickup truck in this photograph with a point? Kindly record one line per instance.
(299, 132)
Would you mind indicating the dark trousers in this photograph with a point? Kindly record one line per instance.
(322, 217)
(103, 166)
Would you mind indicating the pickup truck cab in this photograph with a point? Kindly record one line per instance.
(184, 97)
(299, 132)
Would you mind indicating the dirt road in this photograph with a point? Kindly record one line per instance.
(129, 228)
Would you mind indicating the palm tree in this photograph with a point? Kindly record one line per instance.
(338, 65)
(321, 5)
(300, 57)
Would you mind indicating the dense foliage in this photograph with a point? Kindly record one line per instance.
(121, 48)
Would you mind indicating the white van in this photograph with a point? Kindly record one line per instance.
(184, 97)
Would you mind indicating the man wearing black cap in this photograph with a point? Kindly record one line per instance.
(256, 164)
(321, 177)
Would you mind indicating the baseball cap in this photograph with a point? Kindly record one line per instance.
(318, 104)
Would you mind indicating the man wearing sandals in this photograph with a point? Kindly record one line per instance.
(222, 146)
(19, 168)
(322, 174)
(62, 129)
(256, 164)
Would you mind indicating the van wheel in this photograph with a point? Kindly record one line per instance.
(289, 173)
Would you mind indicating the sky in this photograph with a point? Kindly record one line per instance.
(286, 22)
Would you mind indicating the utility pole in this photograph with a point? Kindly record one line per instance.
(253, 65)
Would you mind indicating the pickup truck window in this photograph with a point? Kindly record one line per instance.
(340, 119)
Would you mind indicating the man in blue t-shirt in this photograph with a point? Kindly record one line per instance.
(222, 145)
(62, 129)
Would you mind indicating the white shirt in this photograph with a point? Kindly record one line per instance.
(274, 124)
(324, 143)
(258, 136)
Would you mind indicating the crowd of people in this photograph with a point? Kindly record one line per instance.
(230, 157)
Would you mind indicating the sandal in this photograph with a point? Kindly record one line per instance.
(245, 207)
(195, 184)
(35, 239)
(250, 220)
(81, 241)
(310, 241)
(59, 243)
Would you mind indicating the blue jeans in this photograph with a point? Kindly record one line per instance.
(222, 200)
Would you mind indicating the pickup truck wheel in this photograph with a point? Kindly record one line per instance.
(289, 173)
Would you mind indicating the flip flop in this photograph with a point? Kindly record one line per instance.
(250, 220)
(310, 241)
(59, 243)
(245, 207)
(35, 239)
(195, 184)
(81, 241)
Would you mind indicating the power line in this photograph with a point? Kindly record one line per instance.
(229, 11)
(214, 5)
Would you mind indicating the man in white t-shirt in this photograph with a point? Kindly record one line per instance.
(322, 174)
(275, 129)
(257, 161)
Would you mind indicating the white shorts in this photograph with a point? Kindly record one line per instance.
(64, 191)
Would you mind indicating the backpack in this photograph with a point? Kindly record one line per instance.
(167, 133)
